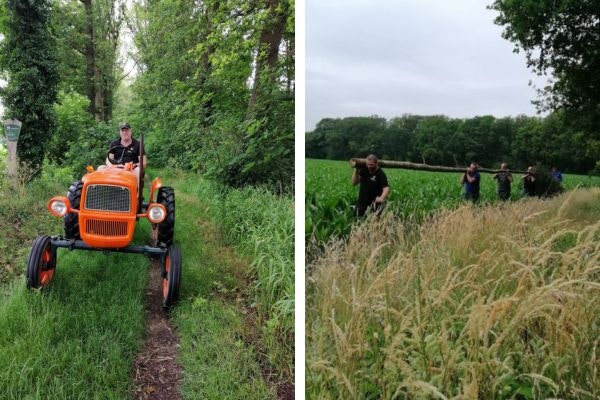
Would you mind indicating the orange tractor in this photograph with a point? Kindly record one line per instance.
(100, 212)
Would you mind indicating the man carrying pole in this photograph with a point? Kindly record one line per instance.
(374, 187)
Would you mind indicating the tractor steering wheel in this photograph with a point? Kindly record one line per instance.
(120, 162)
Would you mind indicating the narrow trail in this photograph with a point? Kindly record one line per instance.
(156, 371)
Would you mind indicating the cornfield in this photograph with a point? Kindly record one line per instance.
(415, 195)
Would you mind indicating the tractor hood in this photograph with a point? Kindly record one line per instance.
(112, 176)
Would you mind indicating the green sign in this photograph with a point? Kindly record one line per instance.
(12, 132)
(12, 128)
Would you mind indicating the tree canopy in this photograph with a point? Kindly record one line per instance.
(561, 38)
(440, 140)
(214, 89)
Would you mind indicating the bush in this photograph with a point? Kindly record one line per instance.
(90, 148)
(72, 119)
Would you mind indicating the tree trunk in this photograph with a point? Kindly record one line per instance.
(354, 162)
(268, 50)
(90, 56)
(206, 65)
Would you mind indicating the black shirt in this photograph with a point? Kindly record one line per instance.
(529, 185)
(371, 186)
(125, 154)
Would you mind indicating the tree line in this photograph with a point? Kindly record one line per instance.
(212, 88)
(440, 140)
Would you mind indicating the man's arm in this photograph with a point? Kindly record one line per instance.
(470, 178)
(384, 195)
(355, 177)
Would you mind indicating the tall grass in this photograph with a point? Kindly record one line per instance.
(487, 302)
(24, 216)
(261, 225)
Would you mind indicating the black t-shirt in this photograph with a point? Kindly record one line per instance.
(529, 185)
(371, 186)
(124, 154)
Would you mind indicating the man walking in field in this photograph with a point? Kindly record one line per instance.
(529, 182)
(471, 180)
(504, 178)
(374, 188)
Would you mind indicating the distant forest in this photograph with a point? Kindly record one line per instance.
(439, 140)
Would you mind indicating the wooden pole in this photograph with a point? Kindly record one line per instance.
(356, 162)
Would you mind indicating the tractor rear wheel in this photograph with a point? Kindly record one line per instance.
(171, 274)
(166, 229)
(72, 219)
(41, 263)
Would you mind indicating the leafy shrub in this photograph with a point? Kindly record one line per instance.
(90, 148)
(72, 119)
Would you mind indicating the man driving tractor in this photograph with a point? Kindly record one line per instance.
(124, 150)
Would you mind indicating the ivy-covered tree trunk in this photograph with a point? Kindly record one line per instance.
(29, 59)
(102, 26)
(90, 55)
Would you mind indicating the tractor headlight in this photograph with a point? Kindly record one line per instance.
(59, 206)
(156, 213)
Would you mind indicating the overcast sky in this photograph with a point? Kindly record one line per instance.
(394, 57)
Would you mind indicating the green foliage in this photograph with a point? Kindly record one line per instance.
(72, 119)
(23, 213)
(237, 124)
(28, 57)
(68, 26)
(440, 140)
(261, 225)
(88, 35)
(90, 148)
(561, 38)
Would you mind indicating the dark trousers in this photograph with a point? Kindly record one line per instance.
(473, 196)
(362, 210)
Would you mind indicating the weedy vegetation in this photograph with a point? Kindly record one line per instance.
(261, 226)
(493, 302)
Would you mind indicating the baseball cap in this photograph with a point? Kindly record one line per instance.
(125, 125)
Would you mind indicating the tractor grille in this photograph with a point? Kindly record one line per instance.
(106, 228)
(107, 198)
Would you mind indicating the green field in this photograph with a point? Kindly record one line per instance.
(414, 195)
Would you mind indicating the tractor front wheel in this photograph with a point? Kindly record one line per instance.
(72, 219)
(41, 263)
(166, 229)
(171, 276)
